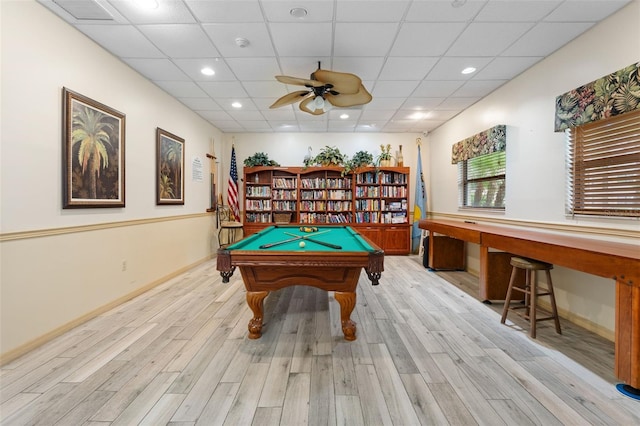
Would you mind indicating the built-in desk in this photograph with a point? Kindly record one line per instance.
(618, 261)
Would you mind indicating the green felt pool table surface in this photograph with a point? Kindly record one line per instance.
(345, 237)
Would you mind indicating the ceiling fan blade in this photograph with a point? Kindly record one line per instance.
(290, 98)
(344, 83)
(298, 81)
(304, 106)
(360, 98)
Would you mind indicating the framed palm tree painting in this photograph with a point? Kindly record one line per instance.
(93, 153)
(170, 168)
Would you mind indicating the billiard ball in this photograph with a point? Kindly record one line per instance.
(301, 244)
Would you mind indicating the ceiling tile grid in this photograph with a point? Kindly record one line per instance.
(408, 53)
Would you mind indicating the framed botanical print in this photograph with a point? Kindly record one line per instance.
(170, 168)
(93, 153)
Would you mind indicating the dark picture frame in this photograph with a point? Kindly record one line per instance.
(93, 153)
(169, 168)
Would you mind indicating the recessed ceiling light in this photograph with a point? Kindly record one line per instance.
(146, 4)
(468, 70)
(298, 12)
(207, 71)
(417, 116)
(344, 116)
(236, 105)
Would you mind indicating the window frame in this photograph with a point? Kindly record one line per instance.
(465, 182)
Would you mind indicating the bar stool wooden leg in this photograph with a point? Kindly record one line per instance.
(533, 288)
(554, 308)
(507, 301)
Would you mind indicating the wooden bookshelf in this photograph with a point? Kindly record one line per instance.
(375, 201)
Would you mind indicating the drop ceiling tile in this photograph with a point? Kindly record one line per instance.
(284, 126)
(201, 104)
(279, 11)
(182, 89)
(254, 69)
(456, 103)
(216, 115)
(256, 125)
(192, 68)
(436, 88)
(546, 38)
(180, 40)
(384, 103)
(393, 89)
(478, 88)
(422, 104)
(505, 68)
(516, 11)
(302, 67)
(372, 11)
(227, 103)
(124, 41)
(411, 68)
(224, 38)
(487, 39)
(310, 40)
(364, 39)
(377, 114)
(242, 115)
(168, 11)
(265, 89)
(223, 89)
(441, 11)
(207, 11)
(367, 68)
(584, 11)
(279, 114)
(450, 68)
(157, 69)
(425, 40)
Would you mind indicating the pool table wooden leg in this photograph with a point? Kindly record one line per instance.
(347, 301)
(255, 301)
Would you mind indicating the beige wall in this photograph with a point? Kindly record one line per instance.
(59, 265)
(535, 194)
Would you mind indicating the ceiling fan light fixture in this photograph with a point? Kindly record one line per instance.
(318, 102)
(298, 12)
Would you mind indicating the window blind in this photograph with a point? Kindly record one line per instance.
(603, 167)
(481, 181)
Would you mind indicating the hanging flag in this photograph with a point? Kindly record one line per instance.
(420, 205)
(232, 192)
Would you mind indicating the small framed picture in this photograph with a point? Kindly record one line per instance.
(170, 168)
(92, 153)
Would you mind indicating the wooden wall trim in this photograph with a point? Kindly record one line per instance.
(38, 233)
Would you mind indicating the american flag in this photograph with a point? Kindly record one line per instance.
(232, 193)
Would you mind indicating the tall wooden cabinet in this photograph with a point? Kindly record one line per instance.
(373, 201)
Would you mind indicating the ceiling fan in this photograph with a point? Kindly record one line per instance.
(338, 89)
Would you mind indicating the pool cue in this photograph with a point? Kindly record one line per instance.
(297, 237)
(322, 243)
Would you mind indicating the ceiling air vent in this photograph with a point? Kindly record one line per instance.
(84, 10)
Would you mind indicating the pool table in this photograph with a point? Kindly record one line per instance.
(329, 258)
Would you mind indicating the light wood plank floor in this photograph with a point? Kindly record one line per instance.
(427, 353)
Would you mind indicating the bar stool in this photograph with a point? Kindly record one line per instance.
(531, 292)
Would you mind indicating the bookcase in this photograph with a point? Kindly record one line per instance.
(374, 201)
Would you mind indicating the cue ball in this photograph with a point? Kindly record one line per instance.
(301, 244)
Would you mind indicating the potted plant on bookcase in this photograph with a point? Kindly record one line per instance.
(328, 156)
(384, 158)
(259, 159)
(359, 159)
